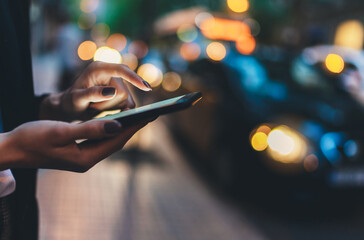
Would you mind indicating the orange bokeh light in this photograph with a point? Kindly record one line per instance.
(216, 51)
(224, 29)
(130, 60)
(86, 50)
(245, 45)
(117, 41)
(190, 51)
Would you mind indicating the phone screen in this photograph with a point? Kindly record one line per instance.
(152, 106)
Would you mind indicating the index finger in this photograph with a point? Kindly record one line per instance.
(107, 70)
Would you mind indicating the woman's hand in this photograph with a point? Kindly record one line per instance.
(100, 87)
(52, 144)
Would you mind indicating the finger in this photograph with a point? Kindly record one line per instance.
(83, 97)
(122, 99)
(104, 71)
(95, 129)
(96, 151)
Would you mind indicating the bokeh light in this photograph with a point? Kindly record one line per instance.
(187, 33)
(190, 51)
(310, 163)
(216, 51)
(350, 148)
(246, 45)
(138, 48)
(224, 29)
(238, 6)
(117, 41)
(86, 21)
(171, 81)
(108, 55)
(100, 32)
(253, 25)
(201, 17)
(86, 50)
(89, 6)
(350, 34)
(264, 129)
(259, 141)
(130, 60)
(151, 74)
(334, 63)
(286, 145)
(280, 142)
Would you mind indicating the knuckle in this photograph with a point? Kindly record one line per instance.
(95, 65)
(124, 66)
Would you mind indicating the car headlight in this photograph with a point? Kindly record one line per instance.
(281, 143)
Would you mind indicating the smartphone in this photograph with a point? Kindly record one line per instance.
(132, 116)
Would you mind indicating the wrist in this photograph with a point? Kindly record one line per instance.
(10, 156)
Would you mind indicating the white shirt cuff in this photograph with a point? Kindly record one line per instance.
(7, 183)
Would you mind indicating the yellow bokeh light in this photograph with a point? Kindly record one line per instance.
(117, 41)
(238, 6)
(130, 60)
(89, 6)
(216, 51)
(190, 51)
(259, 141)
(334, 63)
(108, 55)
(264, 129)
(100, 32)
(86, 50)
(350, 34)
(286, 145)
(171, 81)
(151, 74)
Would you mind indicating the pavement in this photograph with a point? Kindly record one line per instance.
(146, 191)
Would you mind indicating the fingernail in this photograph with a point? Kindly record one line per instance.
(112, 127)
(108, 91)
(147, 85)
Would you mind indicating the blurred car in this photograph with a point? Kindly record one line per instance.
(280, 127)
(275, 126)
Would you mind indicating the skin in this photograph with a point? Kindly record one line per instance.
(53, 144)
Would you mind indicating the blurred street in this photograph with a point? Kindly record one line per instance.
(153, 194)
(149, 194)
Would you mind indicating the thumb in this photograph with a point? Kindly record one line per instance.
(95, 129)
(83, 97)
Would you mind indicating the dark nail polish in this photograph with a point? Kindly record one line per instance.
(108, 91)
(147, 84)
(112, 127)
